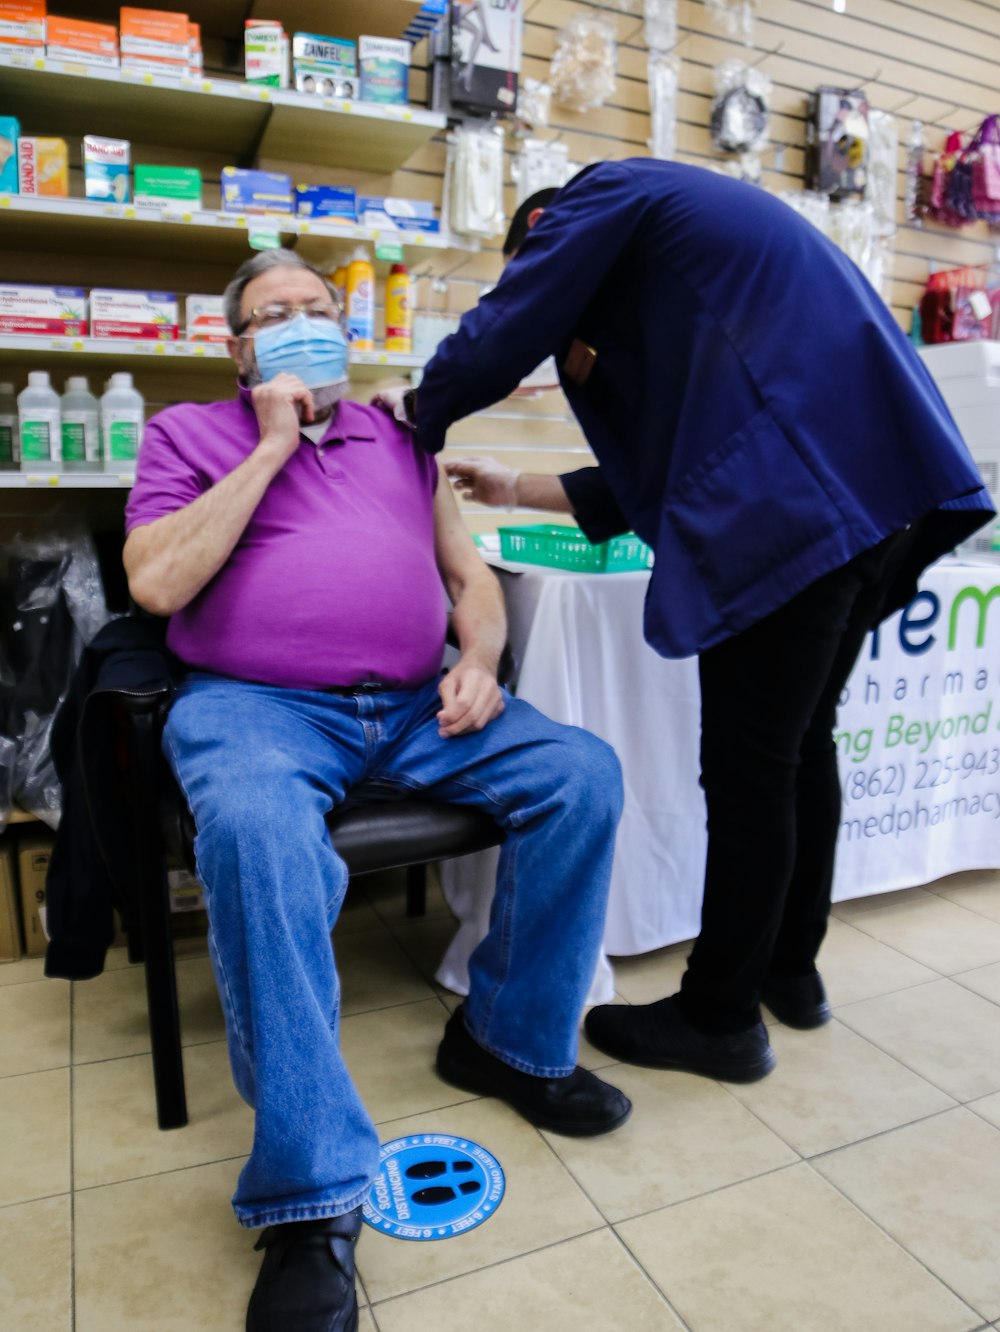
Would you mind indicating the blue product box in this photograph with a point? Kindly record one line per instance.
(334, 203)
(398, 214)
(10, 132)
(245, 191)
(384, 66)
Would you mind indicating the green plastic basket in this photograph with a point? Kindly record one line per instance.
(568, 548)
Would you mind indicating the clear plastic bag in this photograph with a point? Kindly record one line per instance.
(883, 161)
(54, 604)
(664, 81)
(538, 165)
(660, 25)
(734, 17)
(473, 190)
(741, 108)
(583, 67)
(534, 103)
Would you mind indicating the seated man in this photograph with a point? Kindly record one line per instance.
(299, 542)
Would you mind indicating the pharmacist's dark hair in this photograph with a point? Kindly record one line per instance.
(518, 228)
(232, 297)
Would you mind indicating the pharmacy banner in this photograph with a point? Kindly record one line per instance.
(919, 738)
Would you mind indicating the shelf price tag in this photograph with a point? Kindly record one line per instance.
(390, 251)
(264, 240)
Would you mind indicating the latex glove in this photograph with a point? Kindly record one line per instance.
(485, 481)
(392, 400)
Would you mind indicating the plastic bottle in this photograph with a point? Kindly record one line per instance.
(122, 421)
(398, 310)
(40, 425)
(361, 302)
(10, 439)
(81, 434)
(338, 279)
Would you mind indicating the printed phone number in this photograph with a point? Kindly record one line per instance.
(893, 779)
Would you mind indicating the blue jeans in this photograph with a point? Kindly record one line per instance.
(261, 767)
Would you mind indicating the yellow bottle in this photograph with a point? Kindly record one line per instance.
(398, 310)
(361, 302)
(338, 279)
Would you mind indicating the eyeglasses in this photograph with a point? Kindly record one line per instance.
(279, 312)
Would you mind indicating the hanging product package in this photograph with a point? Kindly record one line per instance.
(883, 160)
(741, 108)
(986, 171)
(664, 81)
(53, 604)
(914, 200)
(660, 24)
(837, 142)
(582, 73)
(734, 17)
(534, 102)
(473, 190)
(539, 165)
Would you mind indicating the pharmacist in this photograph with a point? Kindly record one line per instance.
(762, 422)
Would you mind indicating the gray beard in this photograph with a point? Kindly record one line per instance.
(324, 398)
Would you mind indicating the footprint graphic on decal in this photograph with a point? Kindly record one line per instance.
(441, 1193)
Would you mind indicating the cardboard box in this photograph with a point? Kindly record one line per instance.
(28, 308)
(245, 191)
(196, 59)
(22, 24)
(204, 319)
(326, 66)
(10, 917)
(43, 167)
(133, 314)
(10, 132)
(397, 214)
(74, 39)
(265, 53)
(159, 34)
(384, 66)
(168, 185)
(33, 856)
(105, 168)
(332, 203)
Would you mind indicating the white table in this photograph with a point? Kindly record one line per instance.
(919, 736)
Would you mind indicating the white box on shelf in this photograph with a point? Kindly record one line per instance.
(133, 314)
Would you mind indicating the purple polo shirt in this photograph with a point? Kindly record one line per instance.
(334, 579)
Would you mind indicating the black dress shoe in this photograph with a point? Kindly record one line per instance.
(580, 1104)
(306, 1281)
(797, 1001)
(659, 1036)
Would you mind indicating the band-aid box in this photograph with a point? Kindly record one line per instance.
(43, 166)
(10, 132)
(105, 168)
(133, 314)
(26, 308)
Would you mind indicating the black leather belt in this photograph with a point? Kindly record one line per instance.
(362, 687)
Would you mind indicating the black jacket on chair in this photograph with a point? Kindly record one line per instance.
(93, 858)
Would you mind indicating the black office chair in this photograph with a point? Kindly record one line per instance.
(410, 833)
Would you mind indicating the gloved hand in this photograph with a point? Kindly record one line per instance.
(485, 481)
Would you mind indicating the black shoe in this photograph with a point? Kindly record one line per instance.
(580, 1104)
(659, 1036)
(306, 1281)
(797, 1001)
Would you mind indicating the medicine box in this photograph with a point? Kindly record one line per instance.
(155, 34)
(74, 39)
(22, 24)
(43, 167)
(10, 132)
(204, 319)
(33, 856)
(332, 203)
(247, 191)
(327, 66)
(397, 214)
(384, 65)
(36, 309)
(133, 314)
(105, 168)
(167, 186)
(265, 53)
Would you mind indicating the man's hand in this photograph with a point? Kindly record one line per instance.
(470, 698)
(485, 481)
(391, 400)
(282, 404)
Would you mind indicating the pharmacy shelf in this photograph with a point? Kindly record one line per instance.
(64, 481)
(137, 355)
(31, 223)
(224, 18)
(220, 115)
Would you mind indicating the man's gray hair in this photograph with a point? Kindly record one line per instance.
(232, 297)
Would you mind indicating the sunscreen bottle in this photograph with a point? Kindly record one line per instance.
(398, 310)
(361, 302)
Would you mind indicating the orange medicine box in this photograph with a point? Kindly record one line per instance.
(158, 34)
(22, 23)
(69, 39)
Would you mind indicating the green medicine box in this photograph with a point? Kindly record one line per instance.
(167, 184)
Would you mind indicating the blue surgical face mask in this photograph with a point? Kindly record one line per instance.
(313, 349)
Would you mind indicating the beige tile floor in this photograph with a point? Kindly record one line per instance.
(856, 1189)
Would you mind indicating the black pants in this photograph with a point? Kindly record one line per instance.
(769, 773)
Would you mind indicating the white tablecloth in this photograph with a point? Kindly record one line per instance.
(919, 733)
